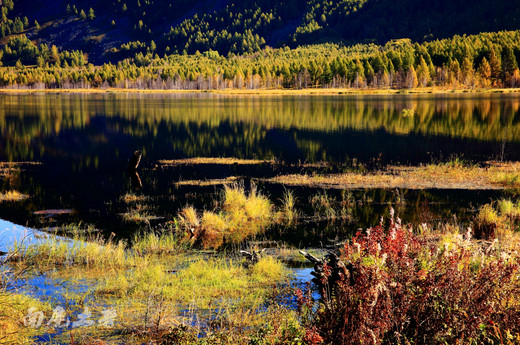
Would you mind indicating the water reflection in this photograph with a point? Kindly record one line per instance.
(84, 142)
(290, 128)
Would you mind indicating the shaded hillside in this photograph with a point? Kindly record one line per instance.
(117, 29)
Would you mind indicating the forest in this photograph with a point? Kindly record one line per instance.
(259, 45)
(483, 60)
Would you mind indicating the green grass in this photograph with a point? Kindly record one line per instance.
(137, 214)
(161, 242)
(288, 215)
(154, 279)
(80, 250)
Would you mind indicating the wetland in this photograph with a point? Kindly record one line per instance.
(200, 243)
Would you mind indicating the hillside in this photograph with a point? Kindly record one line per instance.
(116, 29)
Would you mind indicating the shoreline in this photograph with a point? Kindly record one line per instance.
(279, 92)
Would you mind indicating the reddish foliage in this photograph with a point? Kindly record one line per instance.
(387, 295)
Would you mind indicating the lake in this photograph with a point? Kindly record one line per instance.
(84, 142)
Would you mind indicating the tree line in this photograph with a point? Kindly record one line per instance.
(483, 60)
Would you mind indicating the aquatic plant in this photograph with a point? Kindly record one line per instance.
(137, 214)
(288, 215)
(81, 250)
(394, 287)
(13, 310)
(330, 208)
(453, 174)
(13, 195)
(130, 198)
(240, 216)
(195, 297)
(164, 241)
(173, 292)
(14, 306)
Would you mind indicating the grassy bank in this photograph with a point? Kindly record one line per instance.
(451, 175)
(160, 292)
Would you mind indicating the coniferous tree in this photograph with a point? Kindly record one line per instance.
(484, 72)
(495, 66)
(411, 78)
(423, 72)
(509, 64)
(467, 71)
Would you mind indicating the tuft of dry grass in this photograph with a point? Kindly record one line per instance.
(240, 216)
(13, 196)
(130, 198)
(214, 160)
(212, 182)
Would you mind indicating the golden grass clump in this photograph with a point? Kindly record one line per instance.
(486, 222)
(213, 227)
(213, 160)
(130, 198)
(12, 196)
(268, 269)
(497, 221)
(241, 215)
(188, 217)
(508, 208)
(138, 214)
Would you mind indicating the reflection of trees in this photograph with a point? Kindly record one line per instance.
(201, 119)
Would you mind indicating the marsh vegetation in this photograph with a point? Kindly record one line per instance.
(416, 199)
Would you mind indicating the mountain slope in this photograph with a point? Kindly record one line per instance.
(115, 29)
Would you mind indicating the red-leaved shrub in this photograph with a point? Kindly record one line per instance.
(396, 288)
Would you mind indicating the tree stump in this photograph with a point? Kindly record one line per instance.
(135, 160)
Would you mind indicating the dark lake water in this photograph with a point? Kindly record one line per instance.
(84, 143)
